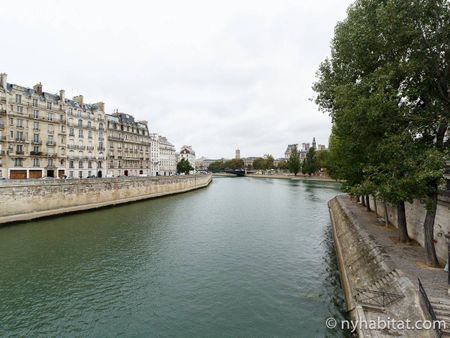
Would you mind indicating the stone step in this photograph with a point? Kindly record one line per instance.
(443, 301)
(440, 307)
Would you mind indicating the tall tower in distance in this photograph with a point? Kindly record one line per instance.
(314, 143)
(238, 154)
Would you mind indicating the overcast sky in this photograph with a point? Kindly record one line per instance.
(217, 75)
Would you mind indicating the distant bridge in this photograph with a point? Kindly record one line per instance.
(239, 172)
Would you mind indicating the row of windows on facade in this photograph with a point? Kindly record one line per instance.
(35, 103)
(18, 162)
(50, 118)
(20, 135)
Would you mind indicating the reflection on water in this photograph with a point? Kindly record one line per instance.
(244, 257)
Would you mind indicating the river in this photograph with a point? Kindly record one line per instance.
(243, 257)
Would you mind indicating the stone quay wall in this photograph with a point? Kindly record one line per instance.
(415, 216)
(364, 270)
(26, 200)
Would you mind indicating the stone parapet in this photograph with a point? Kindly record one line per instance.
(26, 200)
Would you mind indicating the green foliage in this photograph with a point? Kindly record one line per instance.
(216, 166)
(283, 165)
(311, 164)
(265, 163)
(184, 166)
(294, 163)
(234, 164)
(387, 88)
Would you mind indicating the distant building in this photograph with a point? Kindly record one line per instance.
(188, 153)
(289, 150)
(238, 154)
(321, 147)
(167, 157)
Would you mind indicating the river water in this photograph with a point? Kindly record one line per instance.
(243, 257)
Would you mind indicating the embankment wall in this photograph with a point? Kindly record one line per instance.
(25, 200)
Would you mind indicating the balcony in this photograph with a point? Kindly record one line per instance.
(2, 112)
(36, 142)
(19, 152)
(2, 153)
(51, 143)
(51, 132)
(101, 148)
(20, 140)
(36, 129)
(19, 127)
(36, 153)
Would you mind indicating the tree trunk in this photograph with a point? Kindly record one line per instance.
(401, 219)
(368, 203)
(357, 199)
(363, 201)
(386, 215)
(375, 205)
(428, 229)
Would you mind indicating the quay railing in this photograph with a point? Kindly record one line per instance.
(429, 308)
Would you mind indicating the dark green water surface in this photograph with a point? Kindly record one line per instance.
(243, 257)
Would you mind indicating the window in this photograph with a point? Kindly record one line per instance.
(50, 116)
(18, 162)
(36, 114)
(50, 162)
(50, 138)
(70, 111)
(35, 102)
(36, 125)
(19, 109)
(35, 162)
(36, 138)
(36, 149)
(80, 174)
(90, 165)
(18, 98)
(89, 124)
(20, 136)
(19, 149)
(71, 165)
(71, 174)
(80, 164)
(80, 123)
(90, 134)
(71, 132)
(19, 123)
(80, 133)
(49, 105)
(11, 121)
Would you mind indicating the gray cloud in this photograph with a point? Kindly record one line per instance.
(214, 74)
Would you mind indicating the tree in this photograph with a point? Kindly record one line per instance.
(234, 164)
(294, 162)
(184, 166)
(310, 163)
(283, 165)
(216, 166)
(387, 84)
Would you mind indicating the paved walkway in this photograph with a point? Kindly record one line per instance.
(409, 258)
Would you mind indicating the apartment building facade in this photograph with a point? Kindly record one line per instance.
(128, 146)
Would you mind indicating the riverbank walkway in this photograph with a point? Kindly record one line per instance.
(409, 257)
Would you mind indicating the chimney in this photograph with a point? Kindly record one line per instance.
(3, 79)
(38, 88)
(62, 95)
(78, 99)
(101, 106)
